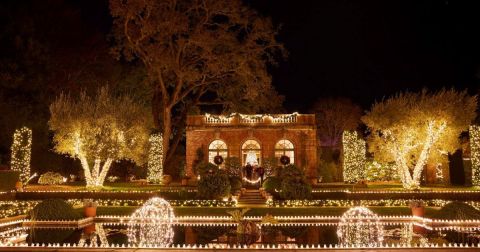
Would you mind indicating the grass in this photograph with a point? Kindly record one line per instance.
(303, 211)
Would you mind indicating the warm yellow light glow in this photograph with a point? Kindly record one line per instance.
(250, 119)
(354, 160)
(155, 157)
(475, 153)
(21, 153)
(360, 227)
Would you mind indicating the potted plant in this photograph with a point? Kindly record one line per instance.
(418, 208)
(89, 208)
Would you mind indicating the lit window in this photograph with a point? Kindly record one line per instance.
(217, 148)
(251, 153)
(285, 148)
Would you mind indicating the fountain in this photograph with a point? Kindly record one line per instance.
(360, 227)
(151, 225)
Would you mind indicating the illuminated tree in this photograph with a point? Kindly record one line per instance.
(474, 133)
(21, 152)
(196, 53)
(155, 156)
(333, 117)
(413, 129)
(354, 157)
(99, 130)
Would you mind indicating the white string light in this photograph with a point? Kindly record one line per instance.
(151, 225)
(354, 150)
(155, 159)
(21, 153)
(475, 153)
(360, 227)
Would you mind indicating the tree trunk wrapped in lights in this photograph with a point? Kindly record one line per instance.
(21, 153)
(155, 158)
(354, 159)
(413, 129)
(100, 130)
(475, 153)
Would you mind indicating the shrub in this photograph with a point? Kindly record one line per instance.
(293, 188)
(233, 166)
(54, 209)
(272, 185)
(8, 179)
(270, 164)
(291, 171)
(235, 184)
(214, 185)
(459, 211)
(51, 178)
(204, 168)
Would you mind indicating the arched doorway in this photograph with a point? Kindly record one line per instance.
(251, 153)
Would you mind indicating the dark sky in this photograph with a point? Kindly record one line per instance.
(364, 50)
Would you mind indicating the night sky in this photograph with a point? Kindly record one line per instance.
(364, 50)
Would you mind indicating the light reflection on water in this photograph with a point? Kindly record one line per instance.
(114, 233)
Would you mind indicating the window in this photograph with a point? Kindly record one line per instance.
(217, 148)
(285, 147)
(251, 153)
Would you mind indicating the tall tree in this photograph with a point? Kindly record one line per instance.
(197, 52)
(99, 130)
(334, 116)
(411, 128)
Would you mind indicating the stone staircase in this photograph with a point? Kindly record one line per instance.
(251, 197)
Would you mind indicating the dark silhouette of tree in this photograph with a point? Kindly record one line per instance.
(198, 52)
(333, 116)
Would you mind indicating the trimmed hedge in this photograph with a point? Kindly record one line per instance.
(458, 211)
(54, 209)
(8, 179)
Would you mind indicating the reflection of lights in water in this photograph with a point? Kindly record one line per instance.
(96, 236)
(151, 225)
(360, 227)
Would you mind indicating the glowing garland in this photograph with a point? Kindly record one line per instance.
(474, 132)
(360, 227)
(354, 160)
(151, 225)
(155, 159)
(21, 153)
(249, 119)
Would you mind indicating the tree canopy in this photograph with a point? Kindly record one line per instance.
(197, 53)
(103, 128)
(415, 128)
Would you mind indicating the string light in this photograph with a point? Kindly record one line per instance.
(354, 150)
(250, 119)
(475, 153)
(21, 152)
(151, 225)
(360, 227)
(155, 159)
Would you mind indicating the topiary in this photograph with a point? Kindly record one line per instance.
(291, 171)
(51, 178)
(235, 184)
(294, 188)
(272, 185)
(458, 211)
(54, 209)
(214, 185)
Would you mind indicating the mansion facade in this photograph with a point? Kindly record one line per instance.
(253, 138)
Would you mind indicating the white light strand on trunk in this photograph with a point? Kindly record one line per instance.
(21, 153)
(155, 158)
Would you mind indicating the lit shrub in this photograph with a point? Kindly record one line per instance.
(204, 168)
(54, 209)
(51, 178)
(272, 185)
(214, 185)
(233, 166)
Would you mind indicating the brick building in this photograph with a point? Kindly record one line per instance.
(253, 138)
